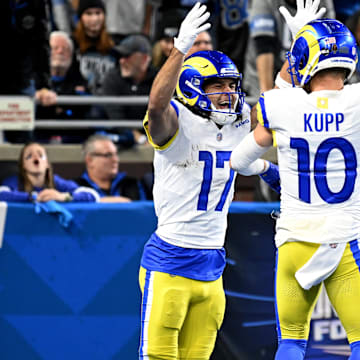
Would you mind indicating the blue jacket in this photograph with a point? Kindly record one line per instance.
(122, 185)
(9, 190)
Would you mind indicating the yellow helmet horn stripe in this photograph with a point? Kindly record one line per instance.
(205, 68)
(308, 32)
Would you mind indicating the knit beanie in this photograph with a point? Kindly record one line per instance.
(86, 4)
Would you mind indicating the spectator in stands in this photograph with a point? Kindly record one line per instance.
(232, 30)
(270, 39)
(93, 43)
(124, 17)
(133, 76)
(36, 181)
(162, 48)
(165, 38)
(64, 14)
(202, 42)
(158, 12)
(165, 34)
(102, 172)
(65, 80)
(353, 23)
(24, 67)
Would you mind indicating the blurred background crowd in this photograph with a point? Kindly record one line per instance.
(114, 48)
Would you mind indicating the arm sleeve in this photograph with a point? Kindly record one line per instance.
(245, 157)
(79, 193)
(6, 194)
(85, 194)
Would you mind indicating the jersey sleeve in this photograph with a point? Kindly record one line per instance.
(146, 127)
(275, 107)
(8, 195)
(262, 113)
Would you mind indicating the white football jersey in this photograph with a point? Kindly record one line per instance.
(318, 140)
(194, 184)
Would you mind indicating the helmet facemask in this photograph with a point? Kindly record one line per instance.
(209, 66)
(234, 101)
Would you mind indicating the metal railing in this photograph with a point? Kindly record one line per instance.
(104, 123)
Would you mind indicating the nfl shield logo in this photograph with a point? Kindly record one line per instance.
(219, 137)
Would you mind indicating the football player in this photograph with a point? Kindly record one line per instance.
(183, 300)
(316, 127)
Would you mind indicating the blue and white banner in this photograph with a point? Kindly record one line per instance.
(72, 292)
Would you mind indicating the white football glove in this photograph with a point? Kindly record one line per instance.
(192, 25)
(304, 14)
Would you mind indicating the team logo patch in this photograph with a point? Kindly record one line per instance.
(322, 103)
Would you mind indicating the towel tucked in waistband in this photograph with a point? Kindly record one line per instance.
(321, 265)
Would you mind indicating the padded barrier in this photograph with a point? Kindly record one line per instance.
(72, 293)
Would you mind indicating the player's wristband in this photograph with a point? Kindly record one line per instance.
(272, 177)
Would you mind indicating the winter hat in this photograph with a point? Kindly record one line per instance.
(86, 4)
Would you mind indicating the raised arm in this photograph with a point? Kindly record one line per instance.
(162, 117)
(305, 13)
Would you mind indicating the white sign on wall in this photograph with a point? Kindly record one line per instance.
(17, 113)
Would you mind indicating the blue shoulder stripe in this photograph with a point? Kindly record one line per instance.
(174, 105)
(263, 115)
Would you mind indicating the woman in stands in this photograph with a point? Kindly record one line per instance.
(93, 43)
(36, 181)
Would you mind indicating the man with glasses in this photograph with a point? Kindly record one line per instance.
(102, 172)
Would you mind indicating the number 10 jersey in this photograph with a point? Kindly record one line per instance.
(318, 140)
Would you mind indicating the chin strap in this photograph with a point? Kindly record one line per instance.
(222, 117)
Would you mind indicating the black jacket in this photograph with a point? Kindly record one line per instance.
(24, 27)
(114, 84)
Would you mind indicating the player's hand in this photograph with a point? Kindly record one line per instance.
(271, 177)
(192, 25)
(304, 14)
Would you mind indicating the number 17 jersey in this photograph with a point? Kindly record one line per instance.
(318, 140)
(194, 185)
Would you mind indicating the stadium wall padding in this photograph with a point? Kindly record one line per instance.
(72, 292)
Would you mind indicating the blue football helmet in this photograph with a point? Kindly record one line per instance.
(322, 44)
(197, 69)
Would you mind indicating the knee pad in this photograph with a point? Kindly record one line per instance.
(290, 349)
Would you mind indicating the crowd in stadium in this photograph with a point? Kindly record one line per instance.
(198, 63)
(115, 48)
